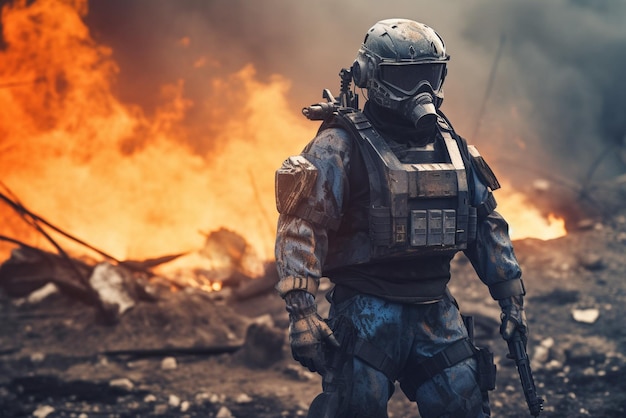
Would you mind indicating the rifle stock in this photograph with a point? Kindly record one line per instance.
(517, 351)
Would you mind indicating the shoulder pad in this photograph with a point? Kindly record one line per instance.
(294, 180)
(482, 169)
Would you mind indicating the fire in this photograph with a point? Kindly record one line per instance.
(127, 182)
(525, 220)
(123, 181)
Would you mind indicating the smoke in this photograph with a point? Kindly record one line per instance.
(562, 70)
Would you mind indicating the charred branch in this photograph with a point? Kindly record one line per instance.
(176, 351)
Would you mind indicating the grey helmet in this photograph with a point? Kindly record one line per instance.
(399, 60)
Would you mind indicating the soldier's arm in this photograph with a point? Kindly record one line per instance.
(492, 254)
(309, 211)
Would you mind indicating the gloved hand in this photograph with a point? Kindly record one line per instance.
(513, 317)
(307, 330)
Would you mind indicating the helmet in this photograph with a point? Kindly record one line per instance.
(400, 59)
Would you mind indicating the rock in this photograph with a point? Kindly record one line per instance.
(184, 406)
(215, 398)
(110, 283)
(224, 413)
(37, 357)
(202, 398)
(553, 365)
(206, 397)
(43, 411)
(589, 371)
(149, 398)
(160, 409)
(586, 316)
(169, 363)
(243, 398)
(591, 261)
(173, 401)
(263, 346)
(542, 352)
(42, 293)
(122, 383)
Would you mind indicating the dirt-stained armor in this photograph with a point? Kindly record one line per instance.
(379, 202)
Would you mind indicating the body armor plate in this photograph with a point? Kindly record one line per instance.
(415, 208)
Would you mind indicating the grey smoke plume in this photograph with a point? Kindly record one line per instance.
(557, 97)
(562, 69)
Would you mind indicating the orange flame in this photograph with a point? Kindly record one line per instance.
(121, 180)
(525, 220)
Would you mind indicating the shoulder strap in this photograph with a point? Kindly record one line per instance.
(360, 128)
(355, 122)
(444, 123)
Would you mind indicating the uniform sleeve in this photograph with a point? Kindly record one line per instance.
(301, 240)
(491, 254)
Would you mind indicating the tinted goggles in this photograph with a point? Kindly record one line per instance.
(408, 77)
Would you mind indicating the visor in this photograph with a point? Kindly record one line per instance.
(408, 77)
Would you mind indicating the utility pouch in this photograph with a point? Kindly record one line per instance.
(486, 369)
(484, 359)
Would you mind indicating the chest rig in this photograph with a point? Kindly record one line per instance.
(419, 203)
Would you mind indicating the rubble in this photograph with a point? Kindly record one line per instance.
(264, 346)
(243, 398)
(42, 293)
(122, 383)
(586, 316)
(174, 401)
(169, 363)
(224, 413)
(591, 261)
(43, 411)
(112, 285)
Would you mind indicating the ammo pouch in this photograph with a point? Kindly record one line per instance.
(486, 376)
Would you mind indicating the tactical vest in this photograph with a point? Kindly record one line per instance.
(415, 208)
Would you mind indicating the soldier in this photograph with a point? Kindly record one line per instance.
(379, 202)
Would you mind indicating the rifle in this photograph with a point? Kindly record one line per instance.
(347, 98)
(517, 352)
